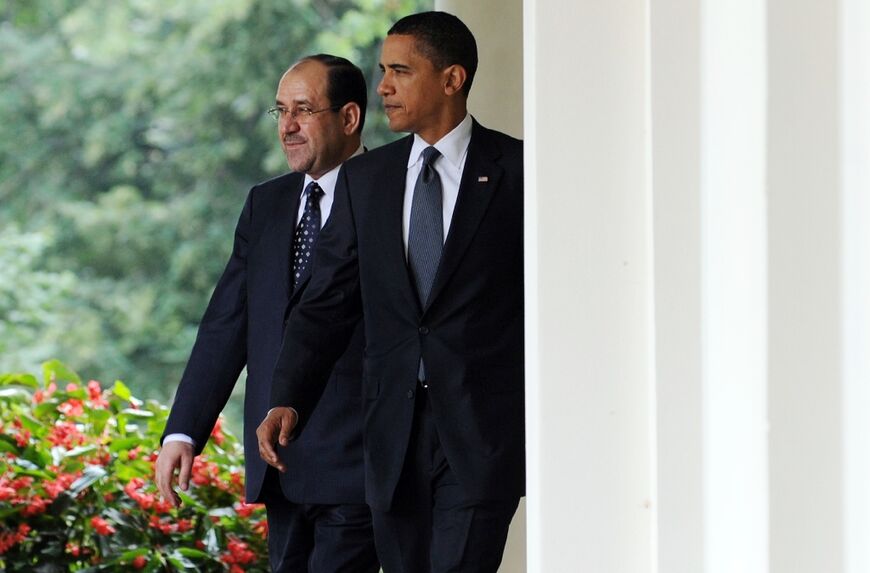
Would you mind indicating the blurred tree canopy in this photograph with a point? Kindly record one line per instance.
(130, 133)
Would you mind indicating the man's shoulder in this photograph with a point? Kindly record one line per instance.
(279, 183)
(380, 156)
(486, 137)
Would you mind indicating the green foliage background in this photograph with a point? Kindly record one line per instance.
(130, 133)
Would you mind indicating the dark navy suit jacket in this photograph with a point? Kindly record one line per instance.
(470, 335)
(243, 325)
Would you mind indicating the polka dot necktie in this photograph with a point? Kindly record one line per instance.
(307, 230)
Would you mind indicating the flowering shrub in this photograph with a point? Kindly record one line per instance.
(77, 494)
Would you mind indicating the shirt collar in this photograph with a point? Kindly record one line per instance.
(453, 146)
(328, 180)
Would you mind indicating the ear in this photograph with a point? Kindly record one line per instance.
(454, 78)
(350, 114)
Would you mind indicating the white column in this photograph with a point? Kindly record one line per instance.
(676, 141)
(589, 373)
(855, 277)
(806, 511)
(496, 101)
(734, 285)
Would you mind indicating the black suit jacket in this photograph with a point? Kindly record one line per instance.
(470, 335)
(243, 324)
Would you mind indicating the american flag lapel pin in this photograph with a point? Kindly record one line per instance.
(482, 179)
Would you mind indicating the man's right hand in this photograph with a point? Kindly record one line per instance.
(173, 456)
(275, 428)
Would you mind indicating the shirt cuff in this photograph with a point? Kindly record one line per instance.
(179, 438)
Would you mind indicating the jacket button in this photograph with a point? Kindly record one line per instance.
(423, 330)
(410, 394)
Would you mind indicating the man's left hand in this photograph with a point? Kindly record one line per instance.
(275, 428)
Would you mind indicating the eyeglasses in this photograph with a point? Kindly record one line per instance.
(301, 114)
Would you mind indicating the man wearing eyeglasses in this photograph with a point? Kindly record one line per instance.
(317, 516)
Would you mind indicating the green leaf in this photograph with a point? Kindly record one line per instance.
(18, 379)
(120, 444)
(99, 419)
(89, 476)
(120, 390)
(180, 561)
(47, 407)
(136, 413)
(57, 371)
(193, 553)
(19, 394)
(133, 554)
(8, 444)
(77, 451)
(189, 500)
(37, 473)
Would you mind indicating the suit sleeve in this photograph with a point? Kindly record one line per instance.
(322, 323)
(220, 350)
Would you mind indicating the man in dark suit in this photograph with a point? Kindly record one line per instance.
(316, 511)
(428, 247)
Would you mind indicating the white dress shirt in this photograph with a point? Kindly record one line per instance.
(327, 183)
(451, 164)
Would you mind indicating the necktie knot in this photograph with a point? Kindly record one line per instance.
(313, 191)
(430, 154)
(427, 172)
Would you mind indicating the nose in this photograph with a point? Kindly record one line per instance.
(287, 124)
(384, 87)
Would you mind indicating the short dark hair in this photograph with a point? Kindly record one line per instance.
(443, 39)
(345, 83)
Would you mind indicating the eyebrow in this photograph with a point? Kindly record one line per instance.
(296, 102)
(400, 67)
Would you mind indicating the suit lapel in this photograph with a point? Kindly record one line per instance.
(390, 220)
(480, 180)
(281, 235)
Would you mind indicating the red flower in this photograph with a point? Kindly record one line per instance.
(65, 434)
(101, 526)
(199, 544)
(162, 506)
(22, 438)
(96, 396)
(71, 387)
(217, 432)
(140, 562)
(72, 408)
(73, 549)
(38, 397)
(262, 527)
(145, 500)
(245, 509)
(35, 506)
(184, 525)
(240, 552)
